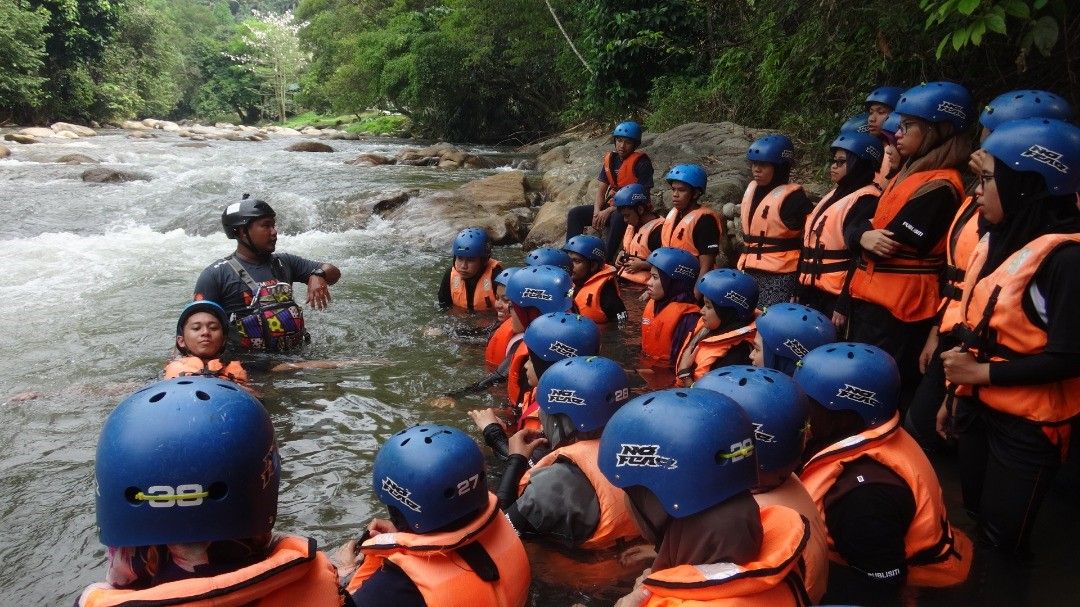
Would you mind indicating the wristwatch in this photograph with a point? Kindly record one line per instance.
(321, 273)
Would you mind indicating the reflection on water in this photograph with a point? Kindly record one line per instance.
(97, 273)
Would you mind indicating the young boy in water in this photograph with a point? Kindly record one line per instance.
(201, 334)
(469, 283)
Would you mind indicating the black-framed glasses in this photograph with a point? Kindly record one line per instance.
(984, 178)
(836, 162)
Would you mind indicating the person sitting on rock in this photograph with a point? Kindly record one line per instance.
(642, 235)
(625, 165)
(690, 226)
(254, 284)
(469, 282)
(596, 290)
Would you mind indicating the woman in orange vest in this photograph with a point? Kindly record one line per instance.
(497, 351)
(563, 500)
(962, 238)
(671, 312)
(894, 288)
(825, 261)
(725, 332)
(468, 283)
(690, 226)
(1018, 366)
(773, 212)
(642, 236)
(446, 542)
(687, 461)
(201, 334)
(878, 493)
(780, 413)
(622, 166)
(596, 290)
(186, 503)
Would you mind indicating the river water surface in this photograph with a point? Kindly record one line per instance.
(96, 275)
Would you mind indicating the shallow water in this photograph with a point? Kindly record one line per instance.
(96, 276)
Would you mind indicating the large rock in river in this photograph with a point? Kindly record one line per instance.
(107, 175)
(4, 152)
(78, 129)
(76, 159)
(497, 193)
(309, 146)
(19, 138)
(38, 131)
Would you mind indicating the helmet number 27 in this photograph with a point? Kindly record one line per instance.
(468, 484)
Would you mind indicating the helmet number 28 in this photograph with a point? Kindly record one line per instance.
(468, 484)
(164, 496)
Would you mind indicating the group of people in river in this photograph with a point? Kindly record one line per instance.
(777, 454)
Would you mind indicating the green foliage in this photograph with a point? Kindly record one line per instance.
(22, 54)
(971, 20)
(379, 124)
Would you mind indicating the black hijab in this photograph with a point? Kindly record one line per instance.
(1029, 212)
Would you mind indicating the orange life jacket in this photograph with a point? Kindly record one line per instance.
(497, 344)
(963, 237)
(907, 283)
(825, 258)
(615, 523)
(516, 371)
(442, 576)
(587, 298)
(937, 554)
(295, 573)
(484, 293)
(635, 243)
(771, 580)
(771, 246)
(679, 233)
(793, 494)
(530, 411)
(711, 349)
(658, 330)
(625, 175)
(193, 365)
(1008, 332)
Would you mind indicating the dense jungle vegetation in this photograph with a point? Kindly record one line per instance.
(513, 70)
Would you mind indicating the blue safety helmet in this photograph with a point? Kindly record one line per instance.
(504, 276)
(789, 331)
(678, 265)
(588, 390)
(545, 288)
(589, 247)
(776, 406)
(692, 448)
(202, 306)
(891, 124)
(472, 242)
(628, 130)
(553, 337)
(849, 376)
(856, 124)
(431, 475)
(693, 175)
(730, 290)
(548, 256)
(191, 459)
(775, 149)
(885, 95)
(633, 195)
(938, 102)
(1050, 148)
(863, 144)
(1015, 105)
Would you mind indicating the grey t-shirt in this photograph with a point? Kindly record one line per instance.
(560, 504)
(220, 283)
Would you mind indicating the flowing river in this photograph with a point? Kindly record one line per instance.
(97, 274)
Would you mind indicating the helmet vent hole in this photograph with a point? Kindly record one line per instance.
(184, 382)
(130, 495)
(769, 379)
(742, 381)
(227, 387)
(199, 394)
(424, 429)
(217, 490)
(427, 440)
(850, 355)
(155, 398)
(831, 350)
(405, 442)
(647, 401)
(681, 394)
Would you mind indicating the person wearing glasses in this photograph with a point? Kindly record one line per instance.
(894, 292)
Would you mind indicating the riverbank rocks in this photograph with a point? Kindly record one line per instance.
(4, 152)
(309, 146)
(76, 159)
(442, 155)
(107, 175)
(38, 132)
(132, 125)
(77, 129)
(19, 138)
(141, 135)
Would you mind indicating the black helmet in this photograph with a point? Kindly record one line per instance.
(240, 214)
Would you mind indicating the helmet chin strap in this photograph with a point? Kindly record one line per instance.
(249, 245)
